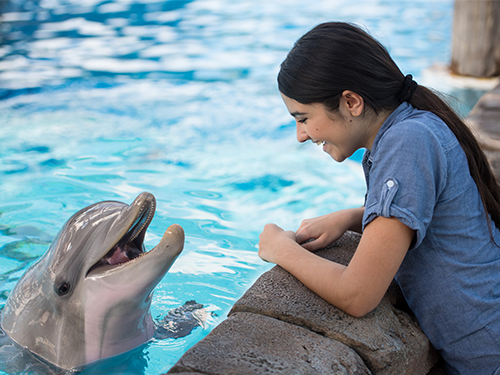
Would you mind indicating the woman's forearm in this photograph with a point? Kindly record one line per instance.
(320, 275)
(357, 288)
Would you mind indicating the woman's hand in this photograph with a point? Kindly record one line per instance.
(323, 230)
(273, 242)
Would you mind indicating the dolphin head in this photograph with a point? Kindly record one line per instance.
(88, 297)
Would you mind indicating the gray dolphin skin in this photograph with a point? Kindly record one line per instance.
(89, 296)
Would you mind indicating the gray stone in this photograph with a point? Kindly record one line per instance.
(388, 339)
(486, 114)
(484, 120)
(247, 343)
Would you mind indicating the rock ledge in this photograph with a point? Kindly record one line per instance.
(281, 327)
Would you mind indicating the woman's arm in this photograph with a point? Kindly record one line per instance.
(358, 288)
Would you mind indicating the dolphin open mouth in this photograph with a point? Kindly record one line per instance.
(131, 245)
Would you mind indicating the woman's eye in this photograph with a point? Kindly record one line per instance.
(303, 121)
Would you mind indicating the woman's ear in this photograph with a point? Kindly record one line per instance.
(352, 103)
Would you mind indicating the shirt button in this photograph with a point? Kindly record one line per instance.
(390, 183)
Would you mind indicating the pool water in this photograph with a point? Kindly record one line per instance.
(101, 100)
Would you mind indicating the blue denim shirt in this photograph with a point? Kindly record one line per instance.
(417, 172)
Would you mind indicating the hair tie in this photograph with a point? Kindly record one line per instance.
(409, 87)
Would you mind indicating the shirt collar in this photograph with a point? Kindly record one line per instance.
(399, 114)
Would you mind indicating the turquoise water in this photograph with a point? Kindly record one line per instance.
(101, 100)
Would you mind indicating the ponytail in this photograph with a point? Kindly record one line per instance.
(480, 169)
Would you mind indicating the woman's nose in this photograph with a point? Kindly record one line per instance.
(301, 133)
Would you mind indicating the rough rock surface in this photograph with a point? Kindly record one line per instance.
(388, 339)
(279, 326)
(484, 120)
(254, 344)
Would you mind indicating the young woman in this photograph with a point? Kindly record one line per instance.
(432, 208)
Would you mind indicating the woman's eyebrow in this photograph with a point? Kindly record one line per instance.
(295, 114)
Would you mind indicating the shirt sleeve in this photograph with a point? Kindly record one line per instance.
(407, 175)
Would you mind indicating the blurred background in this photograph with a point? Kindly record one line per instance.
(101, 100)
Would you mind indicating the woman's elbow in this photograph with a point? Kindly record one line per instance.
(358, 312)
(360, 307)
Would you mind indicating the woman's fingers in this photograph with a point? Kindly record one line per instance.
(314, 244)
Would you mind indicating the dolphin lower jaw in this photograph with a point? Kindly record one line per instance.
(118, 298)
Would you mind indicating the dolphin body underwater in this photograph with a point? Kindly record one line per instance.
(88, 297)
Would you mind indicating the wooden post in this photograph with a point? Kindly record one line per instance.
(476, 38)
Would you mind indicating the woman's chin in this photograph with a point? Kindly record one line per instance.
(334, 154)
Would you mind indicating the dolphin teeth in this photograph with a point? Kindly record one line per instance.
(151, 211)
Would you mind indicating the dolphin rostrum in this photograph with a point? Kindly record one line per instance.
(88, 297)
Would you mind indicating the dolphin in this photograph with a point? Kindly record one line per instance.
(88, 297)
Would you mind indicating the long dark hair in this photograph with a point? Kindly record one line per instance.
(337, 56)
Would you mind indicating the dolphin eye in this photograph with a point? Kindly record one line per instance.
(63, 289)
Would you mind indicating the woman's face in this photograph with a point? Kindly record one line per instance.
(339, 133)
